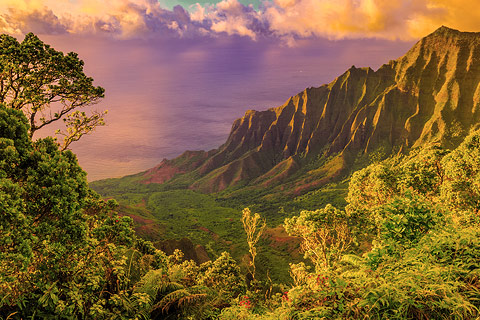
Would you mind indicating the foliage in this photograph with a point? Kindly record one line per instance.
(185, 289)
(63, 250)
(401, 224)
(224, 275)
(374, 185)
(325, 234)
(418, 259)
(65, 253)
(461, 183)
(405, 247)
(250, 224)
(47, 86)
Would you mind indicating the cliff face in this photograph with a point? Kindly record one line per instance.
(431, 94)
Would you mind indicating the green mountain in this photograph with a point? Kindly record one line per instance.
(431, 94)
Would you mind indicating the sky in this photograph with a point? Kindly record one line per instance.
(280, 19)
(169, 4)
(177, 73)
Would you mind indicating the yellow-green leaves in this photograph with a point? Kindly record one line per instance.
(253, 226)
(325, 235)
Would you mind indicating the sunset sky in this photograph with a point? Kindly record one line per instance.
(281, 19)
(177, 73)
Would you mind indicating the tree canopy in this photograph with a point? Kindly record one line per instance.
(47, 86)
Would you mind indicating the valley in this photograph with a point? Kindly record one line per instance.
(300, 156)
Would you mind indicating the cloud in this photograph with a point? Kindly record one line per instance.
(348, 18)
(285, 19)
(233, 18)
(42, 21)
(459, 14)
(120, 18)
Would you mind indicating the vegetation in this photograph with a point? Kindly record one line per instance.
(250, 224)
(405, 246)
(415, 226)
(47, 86)
(325, 234)
(65, 253)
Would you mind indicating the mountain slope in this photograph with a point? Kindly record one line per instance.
(431, 94)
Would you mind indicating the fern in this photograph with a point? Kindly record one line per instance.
(192, 299)
(181, 298)
(353, 260)
(155, 283)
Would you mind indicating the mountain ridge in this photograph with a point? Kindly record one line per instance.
(429, 95)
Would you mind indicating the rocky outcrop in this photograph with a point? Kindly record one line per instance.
(431, 94)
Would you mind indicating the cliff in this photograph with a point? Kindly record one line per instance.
(431, 94)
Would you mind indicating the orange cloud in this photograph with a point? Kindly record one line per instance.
(349, 18)
(463, 15)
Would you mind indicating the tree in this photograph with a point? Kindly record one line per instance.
(461, 187)
(325, 234)
(374, 185)
(250, 224)
(63, 250)
(47, 86)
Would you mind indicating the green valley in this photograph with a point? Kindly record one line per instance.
(300, 156)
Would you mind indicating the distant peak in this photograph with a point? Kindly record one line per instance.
(444, 31)
(444, 40)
